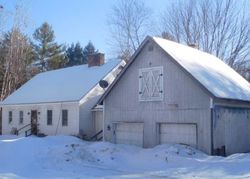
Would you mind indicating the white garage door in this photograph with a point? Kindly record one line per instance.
(129, 133)
(178, 133)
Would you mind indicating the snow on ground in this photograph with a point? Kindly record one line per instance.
(70, 157)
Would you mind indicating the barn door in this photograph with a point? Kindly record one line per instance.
(178, 133)
(151, 84)
(128, 133)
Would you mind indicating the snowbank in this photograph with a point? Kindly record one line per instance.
(70, 157)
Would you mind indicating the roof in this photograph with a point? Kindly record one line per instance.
(211, 72)
(215, 75)
(67, 84)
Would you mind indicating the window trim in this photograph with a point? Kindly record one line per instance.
(161, 83)
(67, 118)
(49, 124)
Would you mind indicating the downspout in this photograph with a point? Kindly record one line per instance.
(103, 121)
(211, 125)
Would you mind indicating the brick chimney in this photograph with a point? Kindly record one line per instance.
(96, 59)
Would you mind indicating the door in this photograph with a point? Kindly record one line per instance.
(128, 133)
(33, 122)
(178, 133)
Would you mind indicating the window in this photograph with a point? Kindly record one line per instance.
(20, 117)
(49, 117)
(64, 117)
(151, 84)
(10, 117)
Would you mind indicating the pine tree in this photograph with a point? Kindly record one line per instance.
(88, 50)
(49, 54)
(75, 55)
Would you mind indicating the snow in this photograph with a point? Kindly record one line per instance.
(220, 79)
(70, 157)
(68, 84)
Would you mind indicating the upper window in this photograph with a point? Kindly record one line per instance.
(64, 117)
(20, 117)
(10, 117)
(151, 84)
(49, 117)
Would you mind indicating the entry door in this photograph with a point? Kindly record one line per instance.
(33, 122)
(178, 133)
(129, 133)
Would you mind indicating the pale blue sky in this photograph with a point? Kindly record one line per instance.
(77, 20)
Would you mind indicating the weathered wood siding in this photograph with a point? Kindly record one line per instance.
(231, 127)
(184, 100)
(55, 129)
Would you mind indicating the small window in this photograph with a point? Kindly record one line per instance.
(151, 84)
(20, 117)
(49, 117)
(10, 117)
(64, 117)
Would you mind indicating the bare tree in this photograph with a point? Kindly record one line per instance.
(16, 53)
(219, 27)
(128, 23)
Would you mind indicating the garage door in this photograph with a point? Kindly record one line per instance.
(129, 133)
(178, 133)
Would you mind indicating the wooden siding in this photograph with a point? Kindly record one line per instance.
(231, 129)
(55, 129)
(184, 101)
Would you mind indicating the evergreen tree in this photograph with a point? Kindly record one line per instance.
(75, 55)
(88, 50)
(49, 54)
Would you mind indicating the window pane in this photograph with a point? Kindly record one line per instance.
(64, 117)
(10, 117)
(20, 117)
(49, 117)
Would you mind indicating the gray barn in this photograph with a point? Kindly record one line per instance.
(171, 93)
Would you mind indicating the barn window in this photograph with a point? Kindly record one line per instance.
(10, 117)
(151, 84)
(20, 117)
(64, 117)
(49, 117)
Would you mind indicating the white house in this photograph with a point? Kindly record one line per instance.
(172, 93)
(59, 101)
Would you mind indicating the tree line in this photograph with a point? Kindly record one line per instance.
(22, 57)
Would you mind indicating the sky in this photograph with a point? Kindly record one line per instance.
(78, 20)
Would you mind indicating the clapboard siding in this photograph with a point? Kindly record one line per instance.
(55, 129)
(184, 100)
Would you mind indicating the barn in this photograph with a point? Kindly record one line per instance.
(172, 93)
(59, 102)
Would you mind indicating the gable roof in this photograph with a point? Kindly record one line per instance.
(211, 72)
(67, 84)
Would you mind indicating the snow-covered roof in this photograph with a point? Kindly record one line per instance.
(68, 84)
(216, 76)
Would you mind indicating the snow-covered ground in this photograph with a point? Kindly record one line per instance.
(70, 157)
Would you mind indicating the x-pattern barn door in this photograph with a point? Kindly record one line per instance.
(151, 84)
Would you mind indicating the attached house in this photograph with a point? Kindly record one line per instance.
(59, 101)
(172, 93)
